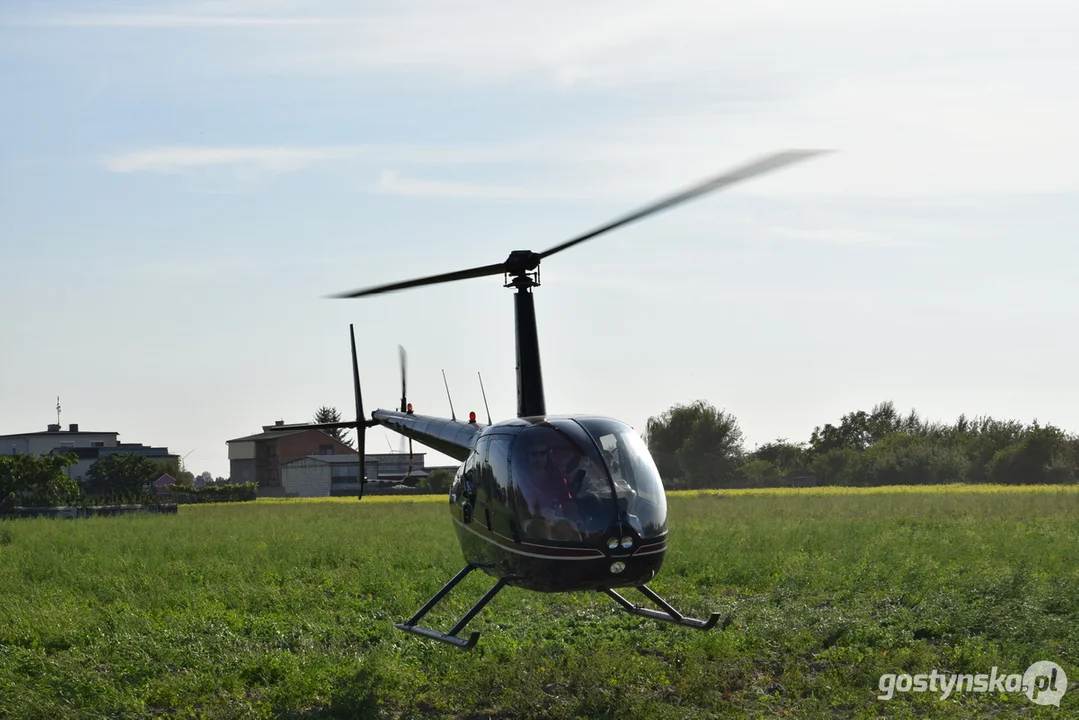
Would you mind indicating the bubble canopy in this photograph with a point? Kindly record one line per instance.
(581, 479)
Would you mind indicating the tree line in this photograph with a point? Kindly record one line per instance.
(697, 446)
(120, 478)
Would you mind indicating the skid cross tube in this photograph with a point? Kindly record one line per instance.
(669, 614)
(451, 637)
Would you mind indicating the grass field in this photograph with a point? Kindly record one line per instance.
(286, 609)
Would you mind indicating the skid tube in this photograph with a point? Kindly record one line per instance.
(669, 614)
(451, 637)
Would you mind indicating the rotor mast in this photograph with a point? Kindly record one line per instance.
(523, 266)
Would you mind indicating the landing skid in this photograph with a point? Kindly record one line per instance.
(669, 614)
(451, 637)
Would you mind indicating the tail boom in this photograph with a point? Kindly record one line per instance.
(452, 437)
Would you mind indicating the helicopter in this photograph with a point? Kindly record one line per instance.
(541, 502)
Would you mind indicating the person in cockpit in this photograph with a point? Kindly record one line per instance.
(547, 492)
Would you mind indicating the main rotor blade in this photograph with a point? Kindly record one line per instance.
(771, 162)
(476, 272)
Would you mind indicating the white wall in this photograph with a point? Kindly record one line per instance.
(306, 478)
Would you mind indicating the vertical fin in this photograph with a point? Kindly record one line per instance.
(361, 426)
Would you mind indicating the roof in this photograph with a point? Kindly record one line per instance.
(394, 455)
(268, 435)
(58, 433)
(336, 459)
(165, 479)
(416, 473)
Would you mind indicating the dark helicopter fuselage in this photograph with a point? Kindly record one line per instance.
(551, 504)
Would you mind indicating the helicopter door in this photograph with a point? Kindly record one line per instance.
(463, 490)
(496, 470)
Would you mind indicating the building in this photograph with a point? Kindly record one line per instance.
(322, 475)
(43, 443)
(259, 458)
(87, 445)
(163, 485)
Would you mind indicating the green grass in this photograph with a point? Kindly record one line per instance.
(286, 609)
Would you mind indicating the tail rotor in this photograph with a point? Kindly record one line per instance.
(406, 407)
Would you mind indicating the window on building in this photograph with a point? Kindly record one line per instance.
(97, 443)
(325, 449)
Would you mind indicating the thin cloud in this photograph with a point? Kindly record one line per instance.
(393, 183)
(845, 238)
(268, 159)
(184, 21)
(187, 14)
(284, 159)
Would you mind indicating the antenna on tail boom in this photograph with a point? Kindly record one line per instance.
(453, 415)
(484, 397)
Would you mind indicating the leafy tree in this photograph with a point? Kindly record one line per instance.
(839, 466)
(858, 430)
(123, 475)
(759, 472)
(171, 467)
(903, 458)
(1042, 455)
(331, 415)
(981, 438)
(438, 481)
(696, 442)
(788, 458)
(38, 480)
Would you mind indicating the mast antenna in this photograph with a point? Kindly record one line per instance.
(453, 415)
(484, 397)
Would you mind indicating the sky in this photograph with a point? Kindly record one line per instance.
(183, 183)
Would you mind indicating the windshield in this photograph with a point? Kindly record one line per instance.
(636, 479)
(560, 485)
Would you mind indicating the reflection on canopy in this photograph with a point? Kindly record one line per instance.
(561, 488)
(637, 483)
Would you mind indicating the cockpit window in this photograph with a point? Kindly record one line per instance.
(560, 485)
(636, 480)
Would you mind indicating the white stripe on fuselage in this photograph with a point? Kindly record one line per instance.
(598, 555)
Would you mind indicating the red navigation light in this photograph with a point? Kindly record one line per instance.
(409, 411)
(472, 416)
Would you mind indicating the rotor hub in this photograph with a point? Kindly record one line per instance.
(522, 261)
